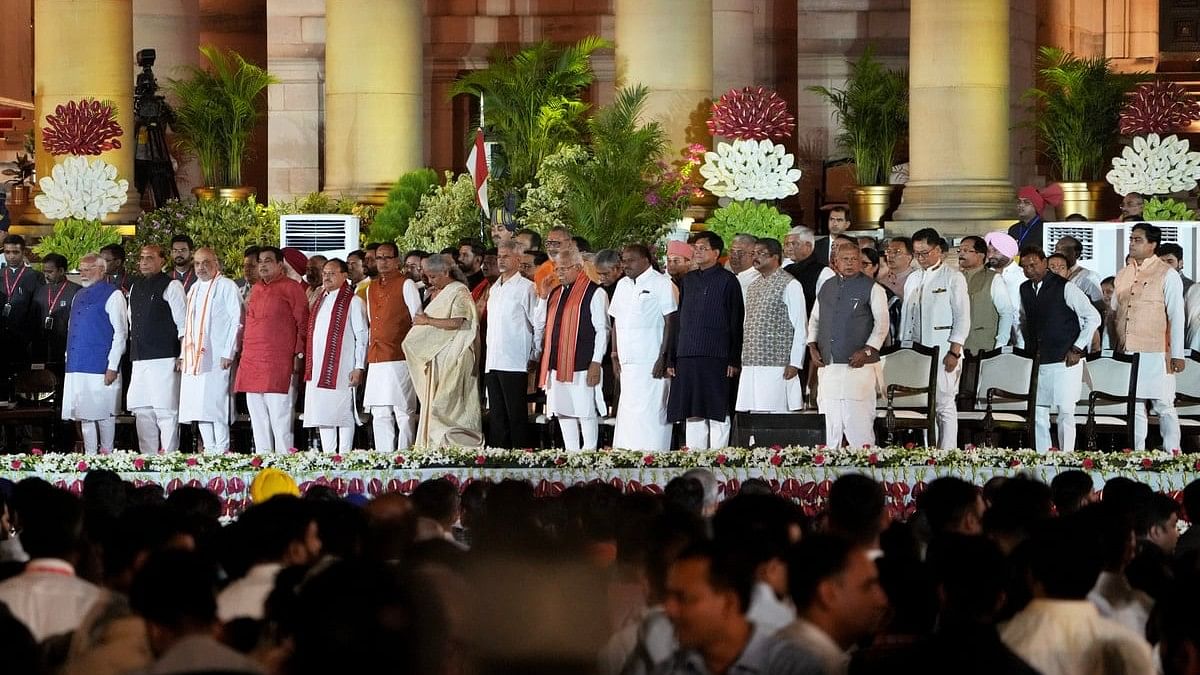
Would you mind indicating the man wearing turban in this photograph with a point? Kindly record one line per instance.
(1001, 258)
(1030, 203)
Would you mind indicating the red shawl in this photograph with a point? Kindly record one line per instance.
(333, 337)
(568, 335)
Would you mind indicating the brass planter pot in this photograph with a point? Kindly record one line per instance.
(1089, 200)
(870, 205)
(227, 194)
(18, 195)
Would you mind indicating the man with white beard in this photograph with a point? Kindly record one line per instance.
(156, 307)
(210, 342)
(95, 342)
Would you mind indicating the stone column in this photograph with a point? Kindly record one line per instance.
(667, 45)
(734, 47)
(84, 49)
(958, 117)
(172, 29)
(374, 101)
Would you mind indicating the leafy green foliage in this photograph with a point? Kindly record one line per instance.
(532, 104)
(545, 205)
(445, 214)
(226, 227)
(1076, 108)
(402, 202)
(613, 197)
(75, 238)
(749, 217)
(873, 113)
(1166, 209)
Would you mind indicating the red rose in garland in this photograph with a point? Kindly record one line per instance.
(752, 113)
(1158, 108)
(82, 128)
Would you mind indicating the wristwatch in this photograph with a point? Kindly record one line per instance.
(868, 351)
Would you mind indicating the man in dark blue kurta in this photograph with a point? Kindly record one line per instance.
(706, 354)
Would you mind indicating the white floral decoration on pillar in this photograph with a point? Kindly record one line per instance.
(1154, 166)
(79, 188)
(748, 169)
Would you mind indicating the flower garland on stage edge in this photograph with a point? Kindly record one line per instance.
(967, 459)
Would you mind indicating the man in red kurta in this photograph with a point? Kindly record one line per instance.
(272, 351)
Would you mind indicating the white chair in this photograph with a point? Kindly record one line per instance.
(1005, 392)
(1108, 395)
(1187, 395)
(909, 389)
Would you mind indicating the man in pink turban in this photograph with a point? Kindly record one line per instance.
(1001, 257)
(1030, 203)
(679, 259)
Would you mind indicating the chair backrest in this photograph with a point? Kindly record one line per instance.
(1009, 369)
(1187, 383)
(1113, 374)
(35, 386)
(909, 364)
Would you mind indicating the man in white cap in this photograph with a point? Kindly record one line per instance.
(1001, 258)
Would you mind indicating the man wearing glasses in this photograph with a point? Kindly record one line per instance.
(992, 311)
(937, 313)
(393, 299)
(741, 260)
(544, 278)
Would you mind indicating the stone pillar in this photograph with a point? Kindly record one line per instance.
(958, 117)
(667, 45)
(734, 47)
(172, 29)
(84, 49)
(374, 101)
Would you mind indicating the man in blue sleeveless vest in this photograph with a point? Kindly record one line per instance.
(95, 342)
(157, 306)
(1057, 323)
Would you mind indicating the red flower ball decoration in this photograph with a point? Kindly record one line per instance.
(1158, 108)
(753, 113)
(82, 128)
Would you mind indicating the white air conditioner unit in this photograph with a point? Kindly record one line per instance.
(332, 235)
(1104, 244)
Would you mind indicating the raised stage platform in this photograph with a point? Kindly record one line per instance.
(801, 474)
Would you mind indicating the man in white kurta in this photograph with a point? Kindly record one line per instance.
(337, 338)
(516, 321)
(848, 325)
(1057, 324)
(937, 313)
(156, 310)
(392, 300)
(1001, 258)
(1147, 302)
(641, 309)
(95, 342)
(210, 343)
(774, 334)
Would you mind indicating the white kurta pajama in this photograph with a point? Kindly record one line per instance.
(389, 392)
(639, 310)
(576, 405)
(846, 396)
(153, 395)
(762, 388)
(211, 325)
(936, 313)
(86, 398)
(332, 410)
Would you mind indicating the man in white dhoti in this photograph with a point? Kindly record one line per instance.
(937, 313)
(643, 309)
(1148, 304)
(95, 342)
(211, 324)
(846, 330)
(337, 356)
(516, 319)
(575, 340)
(774, 335)
(392, 301)
(1057, 324)
(156, 310)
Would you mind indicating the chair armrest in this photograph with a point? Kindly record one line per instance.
(1184, 398)
(893, 389)
(1104, 396)
(997, 392)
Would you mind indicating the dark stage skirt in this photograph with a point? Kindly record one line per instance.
(700, 389)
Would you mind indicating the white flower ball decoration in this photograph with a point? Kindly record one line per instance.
(79, 188)
(748, 169)
(1154, 166)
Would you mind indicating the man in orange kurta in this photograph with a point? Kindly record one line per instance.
(272, 351)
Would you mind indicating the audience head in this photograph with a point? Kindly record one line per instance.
(857, 509)
(707, 593)
(51, 522)
(952, 506)
(1070, 248)
(969, 573)
(834, 584)
(438, 500)
(1172, 254)
(1063, 557)
(1072, 490)
(1019, 504)
(282, 529)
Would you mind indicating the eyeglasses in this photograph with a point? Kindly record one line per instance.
(385, 257)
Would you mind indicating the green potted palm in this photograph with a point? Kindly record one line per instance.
(21, 179)
(872, 111)
(217, 110)
(1076, 107)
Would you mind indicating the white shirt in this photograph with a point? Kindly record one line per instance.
(826, 274)
(767, 612)
(639, 309)
(599, 309)
(515, 325)
(745, 278)
(246, 596)
(47, 597)
(818, 643)
(1087, 281)
(1013, 277)
(1089, 318)
(176, 299)
(1115, 599)
(1069, 637)
(879, 312)
(937, 310)
(1192, 309)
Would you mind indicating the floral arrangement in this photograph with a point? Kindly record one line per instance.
(1158, 108)
(1156, 209)
(1152, 165)
(85, 127)
(81, 188)
(747, 169)
(760, 220)
(74, 238)
(751, 113)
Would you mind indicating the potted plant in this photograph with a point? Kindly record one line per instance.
(215, 117)
(872, 111)
(1077, 104)
(21, 181)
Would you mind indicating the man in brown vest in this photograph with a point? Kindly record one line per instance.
(392, 301)
(1148, 302)
(992, 312)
